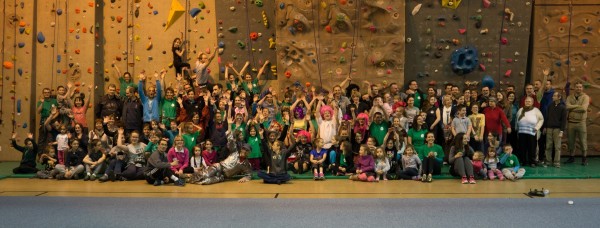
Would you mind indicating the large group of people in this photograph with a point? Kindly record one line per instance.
(202, 131)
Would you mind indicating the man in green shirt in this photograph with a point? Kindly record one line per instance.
(379, 127)
(45, 104)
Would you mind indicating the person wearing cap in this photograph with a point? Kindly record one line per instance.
(235, 164)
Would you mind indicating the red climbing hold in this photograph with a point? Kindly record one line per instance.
(462, 31)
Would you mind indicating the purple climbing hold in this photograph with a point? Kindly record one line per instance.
(21, 44)
(155, 12)
(59, 12)
(77, 36)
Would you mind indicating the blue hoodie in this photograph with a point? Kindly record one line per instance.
(151, 106)
(546, 101)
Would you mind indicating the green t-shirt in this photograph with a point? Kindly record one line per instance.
(419, 98)
(47, 107)
(418, 137)
(436, 149)
(242, 128)
(169, 109)
(123, 86)
(378, 131)
(255, 87)
(254, 142)
(189, 141)
(151, 147)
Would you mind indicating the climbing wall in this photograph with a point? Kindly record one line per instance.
(139, 35)
(15, 86)
(321, 42)
(567, 41)
(246, 32)
(475, 40)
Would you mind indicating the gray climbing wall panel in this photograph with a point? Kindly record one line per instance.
(435, 32)
(245, 28)
(321, 42)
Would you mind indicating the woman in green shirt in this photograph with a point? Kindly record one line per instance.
(416, 134)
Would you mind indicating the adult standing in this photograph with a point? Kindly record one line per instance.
(554, 126)
(577, 106)
(413, 89)
(109, 104)
(529, 122)
(494, 119)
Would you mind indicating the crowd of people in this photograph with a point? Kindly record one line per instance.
(203, 131)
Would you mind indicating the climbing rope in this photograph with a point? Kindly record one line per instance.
(316, 35)
(500, 75)
(355, 35)
(14, 94)
(66, 50)
(3, 56)
(568, 63)
(249, 43)
(54, 51)
(130, 13)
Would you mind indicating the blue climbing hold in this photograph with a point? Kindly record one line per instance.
(21, 44)
(464, 60)
(20, 71)
(281, 5)
(24, 125)
(155, 12)
(558, 63)
(222, 69)
(584, 41)
(292, 30)
(221, 44)
(21, 30)
(488, 81)
(41, 38)
(194, 12)
(59, 12)
(58, 58)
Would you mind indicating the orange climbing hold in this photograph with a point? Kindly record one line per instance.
(22, 24)
(91, 4)
(119, 18)
(8, 65)
(564, 19)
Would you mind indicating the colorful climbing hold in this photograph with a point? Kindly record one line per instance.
(194, 12)
(584, 41)
(59, 12)
(21, 44)
(232, 29)
(563, 19)
(328, 29)
(288, 74)
(8, 65)
(504, 40)
(462, 31)
(508, 73)
(119, 19)
(40, 37)
(21, 30)
(253, 35)
(281, 5)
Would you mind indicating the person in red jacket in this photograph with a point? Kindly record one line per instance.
(494, 119)
(529, 92)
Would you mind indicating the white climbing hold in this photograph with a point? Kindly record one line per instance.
(416, 9)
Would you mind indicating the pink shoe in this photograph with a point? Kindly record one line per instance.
(472, 180)
(464, 180)
(370, 179)
(501, 178)
(492, 177)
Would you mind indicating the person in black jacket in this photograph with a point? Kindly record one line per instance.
(73, 166)
(29, 155)
(132, 112)
(109, 104)
(277, 164)
(554, 125)
(158, 168)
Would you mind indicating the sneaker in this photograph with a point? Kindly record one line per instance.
(532, 165)
(492, 178)
(157, 183)
(424, 178)
(501, 178)
(93, 177)
(545, 164)
(377, 179)
(316, 176)
(112, 177)
(415, 178)
(75, 177)
(472, 180)
(584, 161)
(321, 176)
(429, 178)
(103, 178)
(179, 182)
(87, 177)
(464, 180)
(556, 165)
(570, 160)
(60, 176)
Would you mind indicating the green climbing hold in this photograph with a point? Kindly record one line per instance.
(342, 59)
(233, 29)
(202, 5)
(241, 44)
(478, 17)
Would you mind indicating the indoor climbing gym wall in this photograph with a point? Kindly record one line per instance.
(322, 42)
(468, 42)
(16, 84)
(245, 32)
(139, 36)
(566, 40)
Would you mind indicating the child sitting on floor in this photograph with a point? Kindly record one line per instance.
(382, 164)
(411, 164)
(365, 166)
(479, 168)
(512, 169)
(277, 165)
(491, 163)
(317, 158)
(29, 154)
(94, 160)
(49, 160)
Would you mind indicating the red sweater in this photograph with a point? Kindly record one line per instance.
(535, 102)
(494, 117)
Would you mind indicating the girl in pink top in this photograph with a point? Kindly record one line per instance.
(79, 107)
(181, 154)
(209, 156)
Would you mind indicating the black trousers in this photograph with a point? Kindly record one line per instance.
(431, 165)
(24, 169)
(271, 178)
(160, 174)
(526, 150)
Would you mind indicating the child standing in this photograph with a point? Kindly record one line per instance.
(365, 166)
(512, 169)
(254, 141)
(382, 164)
(411, 164)
(491, 162)
(62, 144)
(479, 168)
(317, 157)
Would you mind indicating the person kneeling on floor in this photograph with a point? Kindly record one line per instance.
(235, 164)
(158, 169)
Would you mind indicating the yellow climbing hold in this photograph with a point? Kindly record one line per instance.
(174, 13)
